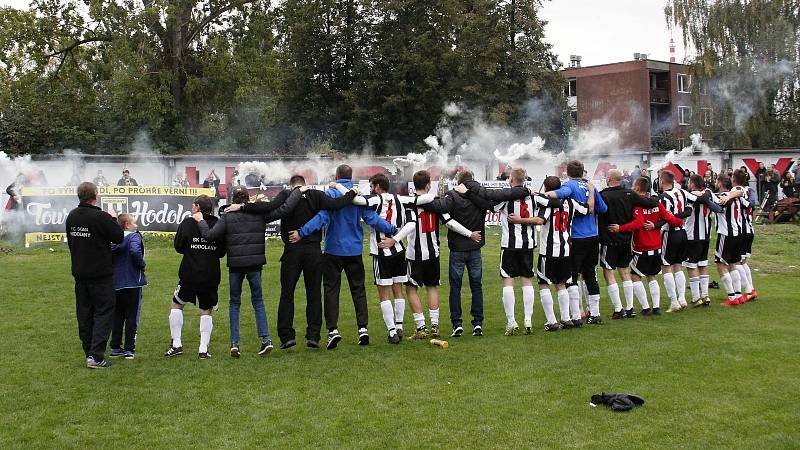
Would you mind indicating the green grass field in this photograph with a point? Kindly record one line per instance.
(712, 377)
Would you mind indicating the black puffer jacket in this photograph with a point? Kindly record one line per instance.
(243, 234)
(468, 212)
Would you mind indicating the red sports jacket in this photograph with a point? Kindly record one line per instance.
(648, 240)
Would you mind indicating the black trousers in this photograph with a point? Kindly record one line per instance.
(585, 255)
(305, 259)
(94, 307)
(127, 306)
(353, 267)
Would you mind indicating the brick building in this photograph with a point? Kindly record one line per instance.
(650, 103)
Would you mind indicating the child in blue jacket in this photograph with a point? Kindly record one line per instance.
(128, 261)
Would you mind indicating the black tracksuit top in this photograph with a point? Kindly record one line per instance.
(90, 233)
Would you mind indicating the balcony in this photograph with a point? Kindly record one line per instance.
(659, 96)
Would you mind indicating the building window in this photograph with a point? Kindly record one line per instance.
(702, 86)
(574, 115)
(684, 115)
(684, 83)
(681, 143)
(708, 117)
(571, 89)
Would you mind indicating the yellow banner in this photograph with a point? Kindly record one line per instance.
(38, 238)
(119, 190)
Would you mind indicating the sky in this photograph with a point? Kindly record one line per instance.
(607, 31)
(601, 31)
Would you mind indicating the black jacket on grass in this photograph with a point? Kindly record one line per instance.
(90, 233)
(200, 262)
(312, 201)
(620, 203)
(243, 234)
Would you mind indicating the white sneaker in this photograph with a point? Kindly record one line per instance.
(682, 302)
(675, 307)
(512, 329)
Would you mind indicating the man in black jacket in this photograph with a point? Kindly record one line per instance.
(615, 248)
(464, 252)
(198, 275)
(299, 257)
(90, 232)
(243, 235)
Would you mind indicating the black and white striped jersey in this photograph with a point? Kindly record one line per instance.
(729, 221)
(557, 227)
(423, 243)
(747, 212)
(698, 224)
(675, 201)
(517, 235)
(394, 209)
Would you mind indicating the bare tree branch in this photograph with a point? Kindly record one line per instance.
(214, 15)
(78, 43)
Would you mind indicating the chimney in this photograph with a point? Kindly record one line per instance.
(672, 50)
(575, 61)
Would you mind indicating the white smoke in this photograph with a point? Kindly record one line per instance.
(599, 138)
(534, 150)
(697, 146)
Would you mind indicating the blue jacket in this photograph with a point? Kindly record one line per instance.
(342, 228)
(128, 261)
(578, 190)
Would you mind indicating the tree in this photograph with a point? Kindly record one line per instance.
(746, 52)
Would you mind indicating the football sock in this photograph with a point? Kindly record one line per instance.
(574, 301)
(508, 303)
(434, 316)
(175, 326)
(206, 325)
(547, 304)
(627, 289)
(641, 294)
(669, 284)
(613, 292)
(728, 283)
(388, 316)
(680, 286)
(419, 319)
(749, 275)
(694, 286)
(527, 303)
(594, 304)
(655, 293)
(737, 281)
(399, 312)
(564, 300)
(704, 279)
(746, 288)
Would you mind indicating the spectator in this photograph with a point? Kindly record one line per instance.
(788, 184)
(771, 182)
(713, 175)
(14, 191)
(212, 182)
(180, 180)
(761, 178)
(90, 233)
(636, 173)
(627, 181)
(100, 180)
(126, 179)
(796, 173)
(685, 180)
(128, 262)
(708, 180)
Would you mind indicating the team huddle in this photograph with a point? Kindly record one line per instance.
(629, 233)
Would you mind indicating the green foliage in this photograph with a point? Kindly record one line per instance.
(746, 51)
(248, 76)
(714, 377)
